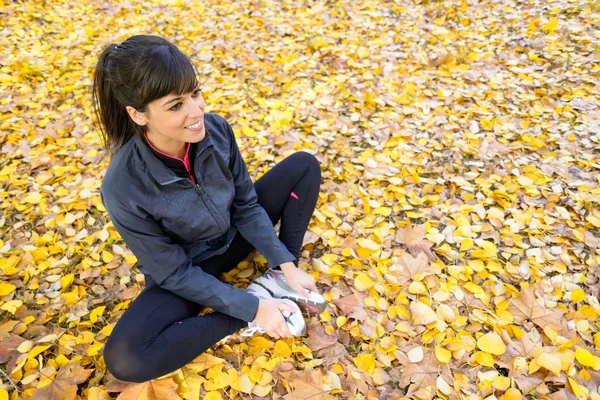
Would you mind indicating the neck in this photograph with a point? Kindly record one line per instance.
(173, 148)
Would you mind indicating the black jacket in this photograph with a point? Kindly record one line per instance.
(171, 224)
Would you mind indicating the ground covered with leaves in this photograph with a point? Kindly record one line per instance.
(456, 237)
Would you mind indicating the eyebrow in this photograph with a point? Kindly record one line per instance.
(172, 100)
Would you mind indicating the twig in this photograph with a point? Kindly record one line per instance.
(10, 380)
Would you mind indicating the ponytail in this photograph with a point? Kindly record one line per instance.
(134, 73)
(112, 120)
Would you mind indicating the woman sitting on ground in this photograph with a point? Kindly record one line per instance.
(178, 192)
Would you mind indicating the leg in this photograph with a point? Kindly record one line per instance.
(161, 332)
(288, 192)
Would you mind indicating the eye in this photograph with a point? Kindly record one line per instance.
(196, 93)
(175, 107)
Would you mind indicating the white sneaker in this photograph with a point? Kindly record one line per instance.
(274, 281)
(295, 320)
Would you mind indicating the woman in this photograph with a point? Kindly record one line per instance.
(179, 194)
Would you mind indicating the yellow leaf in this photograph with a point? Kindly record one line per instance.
(442, 354)
(66, 281)
(282, 349)
(340, 321)
(466, 244)
(422, 314)
(213, 396)
(243, 384)
(94, 349)
(365, 362)
(261, 391)
(96, 312)
(12, 306)
(577, 295)
(188, 383)
(3, 394)
(551, 26)
(484, 358)
(578, 390)
(486, 123)
(205, 361)
(363, 282)
(587, 359)
(501, 382)
(597, 340)
(330, 330)
(490, 248)
(6, 288)
(473, 288)
(492, 343)
(33, 198)
(513, 394)
(107, 257)
(249, 132)
(550, 362)
(97, 393)
(37, 350)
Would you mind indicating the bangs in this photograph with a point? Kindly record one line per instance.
(169, 72)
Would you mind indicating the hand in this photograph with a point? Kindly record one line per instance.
(269, 318)
(297, 279)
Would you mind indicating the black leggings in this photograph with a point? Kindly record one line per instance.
(161, 332)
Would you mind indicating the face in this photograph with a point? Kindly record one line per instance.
(173, 120)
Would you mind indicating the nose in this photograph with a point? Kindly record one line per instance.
(195, 108)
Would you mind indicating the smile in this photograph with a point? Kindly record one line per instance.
(197, 125)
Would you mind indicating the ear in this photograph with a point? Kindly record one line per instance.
(137, 116)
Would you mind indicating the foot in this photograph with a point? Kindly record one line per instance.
(295, 320)
(275, 283)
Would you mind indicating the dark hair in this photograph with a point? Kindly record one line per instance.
(134, 73)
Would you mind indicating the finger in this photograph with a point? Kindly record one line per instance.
(286, 307)
(285, 330)
(274, 334)
(300, 290)
(313, 286)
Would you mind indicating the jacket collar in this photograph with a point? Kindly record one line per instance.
(159, 171)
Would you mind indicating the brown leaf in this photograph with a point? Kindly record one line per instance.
(421, 374)
(64, 386)
(411, 266)
(163, 389)
(317, 338)
(526, 307)
(526, 383)
(414, 239)
(524, 347)
(8, 350)
(304, 390)
(333, 354)
(352, 306)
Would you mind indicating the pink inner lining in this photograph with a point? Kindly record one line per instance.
(185, 160)
(294, 195)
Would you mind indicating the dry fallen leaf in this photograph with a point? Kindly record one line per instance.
(64, 385)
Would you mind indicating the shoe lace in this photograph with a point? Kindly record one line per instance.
(251, 331)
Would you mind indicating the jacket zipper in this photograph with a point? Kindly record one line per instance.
(200, 190)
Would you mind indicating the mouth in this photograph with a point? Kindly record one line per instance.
(197, 126)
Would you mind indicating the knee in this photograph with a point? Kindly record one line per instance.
(122, 361)
(311, 161)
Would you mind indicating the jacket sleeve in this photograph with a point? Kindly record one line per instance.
(251, 220)
(170, 267)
